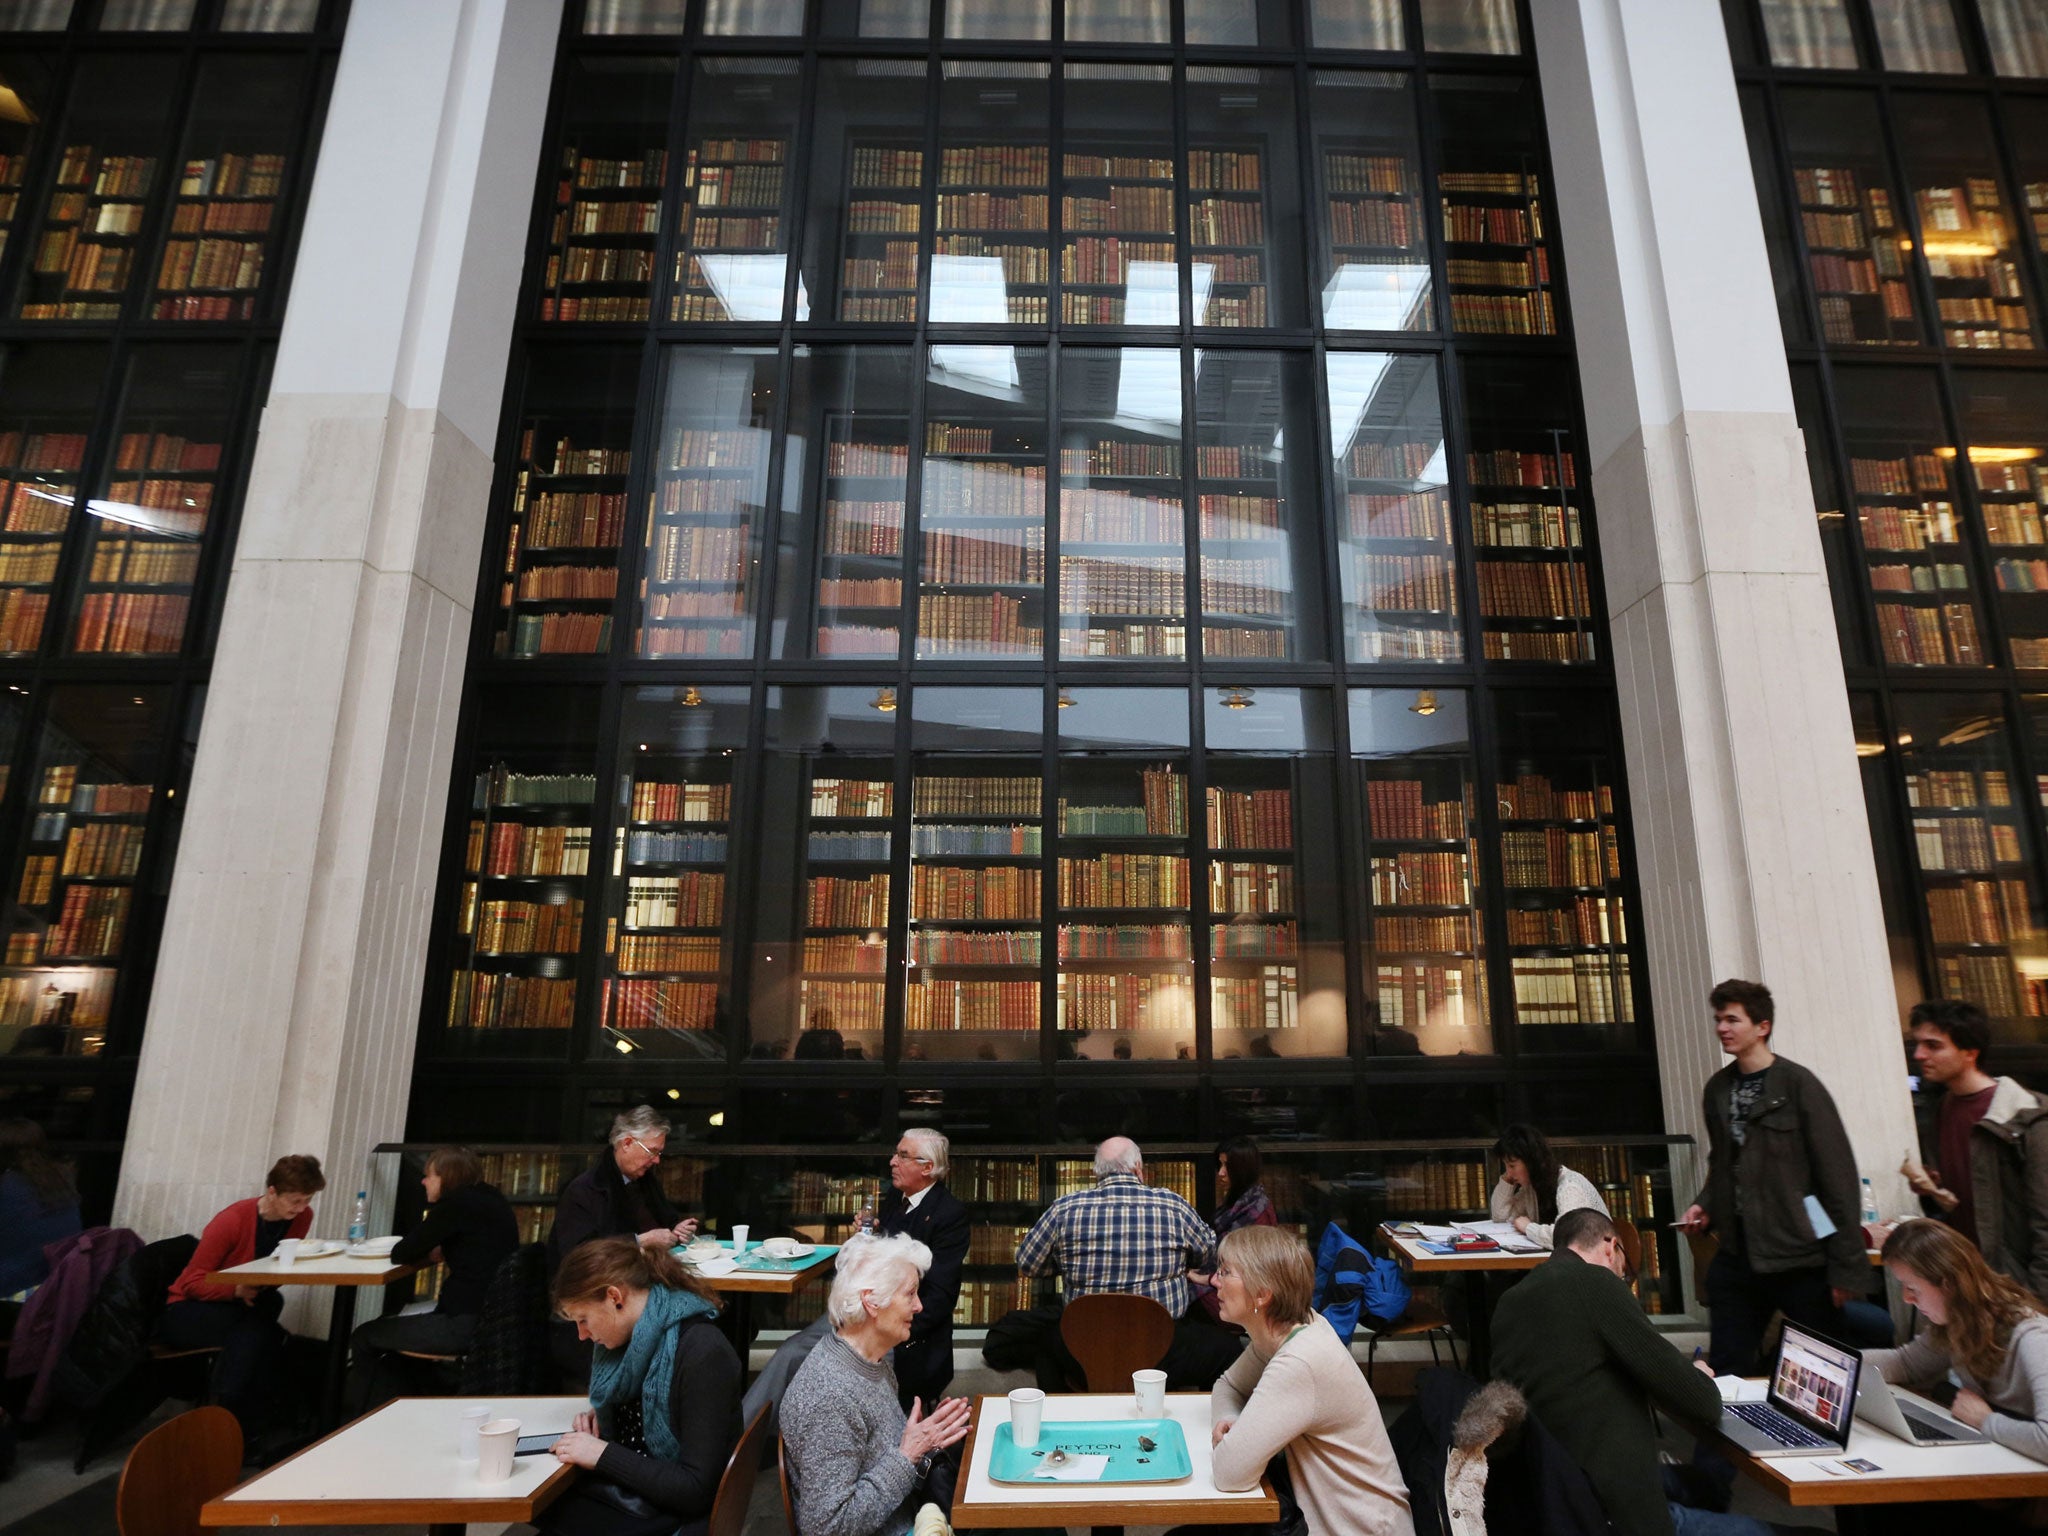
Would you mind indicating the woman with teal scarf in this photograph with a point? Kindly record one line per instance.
(664, 1395)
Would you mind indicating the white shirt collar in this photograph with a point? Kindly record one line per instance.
(910, 1202)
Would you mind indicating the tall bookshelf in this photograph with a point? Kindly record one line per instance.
(1915, 562)
(89, 237)
(1375, 246)
(1254, 907)
(849, 837)
(733, 223)
(42, 467)
(860, 553)
(607, 217)
(560, 577)
(1245, 518)
(1855, 255)
(1119, 254)
(994, 206)
(1497, 256)
(1227, 224)
(981, 520)
(1003, 1194)
(880, 241)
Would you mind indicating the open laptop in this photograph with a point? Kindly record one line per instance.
(1911, 1419)
(1811, 1402)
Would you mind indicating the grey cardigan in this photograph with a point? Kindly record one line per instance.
(2018, 1394)
(843, 1430)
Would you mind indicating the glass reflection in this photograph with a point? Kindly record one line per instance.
(1375, 250)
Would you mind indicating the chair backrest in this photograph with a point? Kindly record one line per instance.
(508, 1354)
(788, 1488)
(736, 1487)
(1631, 1237)
(1111, 1336)
(174, 1469)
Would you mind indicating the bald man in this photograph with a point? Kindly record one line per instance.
(1120, 1236)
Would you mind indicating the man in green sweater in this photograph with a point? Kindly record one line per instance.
(1573, 1339)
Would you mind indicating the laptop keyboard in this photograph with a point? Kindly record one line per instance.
(1928, 1429)
(1786, 1431)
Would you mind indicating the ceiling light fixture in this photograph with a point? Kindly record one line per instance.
(1238, 698)
(884, 701)
(1425, 702)
(692, 697)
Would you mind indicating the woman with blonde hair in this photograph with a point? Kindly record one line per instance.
(664, 1394)
(1988, 1330)
(1296, 1391)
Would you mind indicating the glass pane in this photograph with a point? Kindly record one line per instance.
(831, 759)
(1966, 232)
(1242, 195)
(1848, 213)
(1400, 561)
(1741, 32)
(1276, 947)
(1977, 875)
(150, 521)
(1835, 542)
(1375, 272)
(1119, 21)
(2026, 117)
(1126, 967)
(74, 909)
(1470, 26)
(977, 868)
(1496, 246)
(2005, 424)
(2018, 34)
(1238, 23)
(866, 225)
(753, 18)
(270, 15)
(1261, 562)
(560, 577)
(999, 20)
(1528, 513)
(993, 256)
(1561, 852)
(35, 15)
(981, 508)
(610, 18)
(700, 581)
(1414, 764)
(114, 134)
(1898, 894)
(614, 170)
(1784, 255)
(1123, 517)
(146, 15)
(667, 932)
(48, 399)
(880, 18)
(225, 218)
(734, 222)
(27, 90)
(1118, 256)
(849, 454)
(1918, 36)
(1900, 464)
(1809, 34)
(1355, 24)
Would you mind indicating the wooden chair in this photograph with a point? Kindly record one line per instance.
(1631, 1237)
(1111, 1336)
(1425, 1317)
(736, 1487)
(174, 1469)
(1704, 1246)
(788, 1491)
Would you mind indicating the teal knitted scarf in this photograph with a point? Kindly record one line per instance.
(646, 1367)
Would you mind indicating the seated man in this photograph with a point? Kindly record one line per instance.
(1572, 1337)
(1121, 1237)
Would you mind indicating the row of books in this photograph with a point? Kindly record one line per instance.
(1250, 818)
(107, 849)
(1124, 941)
(691, 1005)
(676, 847)
(60, 786)
(1406, 583)
(1421, 880)
(1256, 889)
(1981, 912)
(868, 953)
(137, 623)
(1132, 639)
(568, 583)
(693, 899)
(574, 520)
(1559, 856)
(1396, 808)
(657, 801)
(1240, 940)
(854, 1007)
(669, 952)
(1993, 984)
(1424, 935)
(863, 846)
(214, 263)
(1010, 1006)
(834, 902)
(1589, 920)
(943, 947)
(1579, 989)
(1930, 637)
(1430, 996)
(1436, 1186)
(501, 1000)
(944, 893)
(1162, 810)
(962, 795)
(1124, 880)
(1265, 1001)
(560, 634)
(527, 927)
(1012, 557)
(513, 848)
(1123, 1001)
(1955, 788)
(1959, 843)
(852, 799)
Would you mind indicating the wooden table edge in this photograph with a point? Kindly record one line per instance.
(281, 1277)
(1870, 1488)
(985, 1513)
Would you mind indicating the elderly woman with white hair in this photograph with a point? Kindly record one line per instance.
(861, 1465)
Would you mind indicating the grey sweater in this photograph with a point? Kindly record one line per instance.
(2018, 1394)
(843, 1430)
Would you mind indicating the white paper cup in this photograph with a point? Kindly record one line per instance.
(286, 1252)
(739, 1239)
(467, 1423)
(494, 1445)
(1150, 1389)
(1027, 1407)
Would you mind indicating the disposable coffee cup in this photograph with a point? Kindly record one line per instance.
(495, 1442)
(1150, 1389)
(467, 1423)
(739, 1239)
(286, 1252)
(1027, 1407)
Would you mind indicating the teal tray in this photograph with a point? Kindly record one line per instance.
(1117, 1439)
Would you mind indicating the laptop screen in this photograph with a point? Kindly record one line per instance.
(1815, 1382)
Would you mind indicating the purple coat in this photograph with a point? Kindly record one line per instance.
(78, 1267)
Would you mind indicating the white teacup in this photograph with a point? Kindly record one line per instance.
(780, 1247)
(495, 1442)
(1149, 1387)
(286, 1252)
(739, 1238)
(1027, 1407)
(467, 1425)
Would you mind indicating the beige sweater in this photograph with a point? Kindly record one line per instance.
(1311, 1401)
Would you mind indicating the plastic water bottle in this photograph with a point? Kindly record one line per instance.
(359, 1224)
(1869, 1204)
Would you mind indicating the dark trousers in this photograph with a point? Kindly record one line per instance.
(1742, 1301)
(1029, 1340)
(378, 1371)
(251, 1344)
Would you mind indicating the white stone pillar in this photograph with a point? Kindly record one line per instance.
(1750, 828)
(286, 998)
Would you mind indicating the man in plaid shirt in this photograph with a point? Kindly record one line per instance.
(1122, 1236)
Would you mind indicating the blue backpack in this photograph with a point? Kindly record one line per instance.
(1351, 1283)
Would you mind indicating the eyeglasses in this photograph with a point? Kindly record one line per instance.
(901, 1156)
(653, 1152)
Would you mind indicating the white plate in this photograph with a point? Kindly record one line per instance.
(375, 1248)
(800, 1251)
(316, 1248)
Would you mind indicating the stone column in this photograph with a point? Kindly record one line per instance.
(287, 996)
(1750, 827)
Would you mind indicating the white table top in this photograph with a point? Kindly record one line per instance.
(1189, 1409)
(1420, 1258)
(335, 1269)
(402, 1457)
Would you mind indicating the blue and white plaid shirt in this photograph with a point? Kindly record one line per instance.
(1121, 1236)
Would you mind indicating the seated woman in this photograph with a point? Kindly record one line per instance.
(1988, 1330)
(863, 1467)
(1245, 1205)
(1296, 1391)
(1535, 1188)
(469, 1228)
(241, 1320)
(38, 1206)
(664, 1394)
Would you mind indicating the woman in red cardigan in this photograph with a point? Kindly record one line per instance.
(241, 1320)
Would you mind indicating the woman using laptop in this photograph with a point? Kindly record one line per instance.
(1987, 1329)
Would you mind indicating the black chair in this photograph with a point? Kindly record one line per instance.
(509, 1355)
(111, 1372)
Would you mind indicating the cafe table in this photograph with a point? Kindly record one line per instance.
(1195, 1500)
(1474, 1267)
(345, 1275)
(397, 1466)
(756, 1274)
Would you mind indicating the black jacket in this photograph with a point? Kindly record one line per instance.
(599, 1202)
(924, 1362)
(1755, 1194)
(476, 1232)
(1533, 1488)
